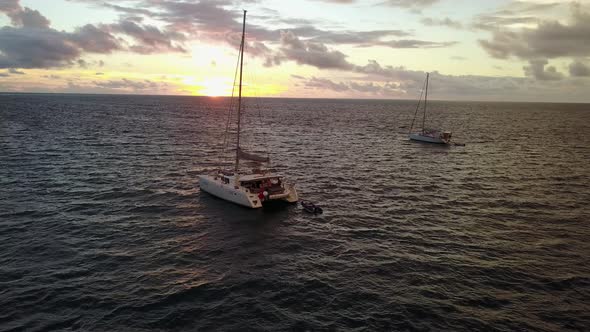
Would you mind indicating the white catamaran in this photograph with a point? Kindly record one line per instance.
(428, 135)
(250, 189)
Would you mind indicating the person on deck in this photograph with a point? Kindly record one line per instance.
(261, 194)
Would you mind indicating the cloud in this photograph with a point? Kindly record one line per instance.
(90, 38)
(149, 38)
(16, 71)
(442, 22)
(207, 19)
(8, 6)
(127, 85)
(536, 69)
(324, 83)
(410, 3)
(32, 43)
(375, 71)
(516, 7)
(495, 23)
(549, 39)
(397, 82)
(23, 17)
(317, 54)
(311, 53)
(346, 37)
(35, 48)
(579, 69)
(513, 13)
(386, 89)
(338, 1)
(412, 43)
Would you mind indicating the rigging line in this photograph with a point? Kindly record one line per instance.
(257, 101)
(226, 158)
(237, 167)
(425, 102)
(417, 108)
(231, 105)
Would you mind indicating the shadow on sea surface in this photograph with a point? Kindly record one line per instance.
(238, 216)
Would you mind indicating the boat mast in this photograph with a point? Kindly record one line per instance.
(240, 92)
(425, 102)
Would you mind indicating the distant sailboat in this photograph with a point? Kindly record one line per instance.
(428, 135)
(250, 189)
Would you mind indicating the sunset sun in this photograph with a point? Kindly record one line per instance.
(214, 87)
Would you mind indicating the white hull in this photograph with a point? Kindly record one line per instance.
(428, 139)
(215, 186)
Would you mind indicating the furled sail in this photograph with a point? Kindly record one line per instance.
(252, 157)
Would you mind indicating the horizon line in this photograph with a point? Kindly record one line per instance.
(274, 97)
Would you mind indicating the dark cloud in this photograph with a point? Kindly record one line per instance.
(370, 89)
(401, 83)
(35, 48)
(579, 69)
(311, 53)
(124, 85)
(90, 38)
(442, 22)
(347, 37)
(375, 71)
(206, 19)
(412, 43)
(549, 39)
(23, 17)
(326, 84)
(30, 18)
(365, 38)
(128, 10)
(214, 22)
(536, 69)
(32, 43)
(317, 54)
(8, 6)
(149, 38)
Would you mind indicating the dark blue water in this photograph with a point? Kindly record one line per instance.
(103, 226)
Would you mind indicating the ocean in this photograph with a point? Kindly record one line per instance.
(103, 226)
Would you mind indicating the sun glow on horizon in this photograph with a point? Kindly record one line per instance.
(212, 87)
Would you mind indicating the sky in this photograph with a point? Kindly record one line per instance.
(493, 50)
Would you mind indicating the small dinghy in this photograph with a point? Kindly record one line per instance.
(311, 208)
